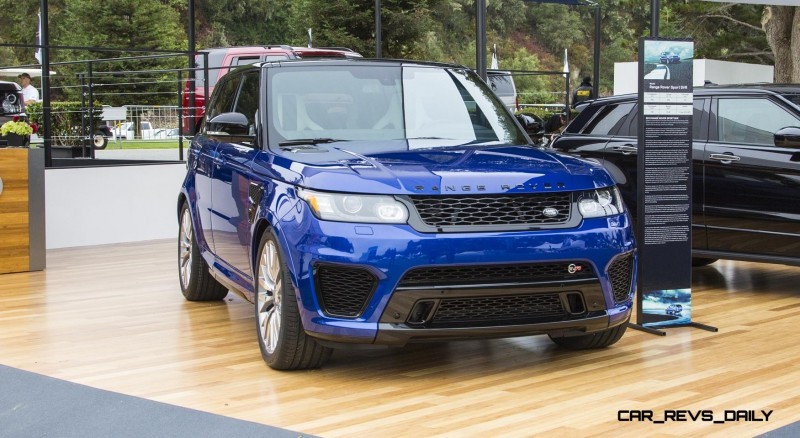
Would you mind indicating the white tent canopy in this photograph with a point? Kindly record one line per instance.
(14, 72)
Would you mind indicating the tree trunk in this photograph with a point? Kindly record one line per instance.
(780, 25)
(795, 46)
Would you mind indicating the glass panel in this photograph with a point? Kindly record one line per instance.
(609, 120)
(247, 103)
(352, 103)
(751, 120)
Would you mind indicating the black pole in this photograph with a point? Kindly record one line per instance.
(480, 38)
(596, 83)
(44, 39)
(378, 37)
(192, 73)
(83, 114)
(655, 8)
(91, 112)
(180, 114)
(566, 98)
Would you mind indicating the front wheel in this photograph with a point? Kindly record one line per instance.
(99, 141)
(599, 339)
(283, 342)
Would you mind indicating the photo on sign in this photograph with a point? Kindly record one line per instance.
(667, 307)
(668, 60)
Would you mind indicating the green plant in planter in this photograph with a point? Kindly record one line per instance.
(18, 127)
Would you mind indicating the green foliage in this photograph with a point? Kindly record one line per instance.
(66, 116)
(528, 35)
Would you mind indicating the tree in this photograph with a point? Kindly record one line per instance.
(132, 27)
(782, 27)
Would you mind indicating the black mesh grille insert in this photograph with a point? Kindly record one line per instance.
(510, 309)
(494, 274)
(620, 273)
(523, 209)
(344, 291)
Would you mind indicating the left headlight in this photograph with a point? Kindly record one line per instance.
(350, 207)
(601, 203)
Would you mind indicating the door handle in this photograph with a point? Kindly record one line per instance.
(724, 158)
(626, 149)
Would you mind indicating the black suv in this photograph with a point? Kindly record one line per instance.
(11, 104)
(746, 153)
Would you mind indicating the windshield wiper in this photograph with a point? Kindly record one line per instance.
(308, 141)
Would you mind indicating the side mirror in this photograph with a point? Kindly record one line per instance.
(788, 137)
(533, 125)
(235, 124)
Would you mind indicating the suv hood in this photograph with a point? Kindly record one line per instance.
(455, 170)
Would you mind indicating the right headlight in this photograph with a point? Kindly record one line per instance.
(601, 203)
(348, 207)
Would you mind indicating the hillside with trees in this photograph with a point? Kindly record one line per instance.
(528, 35)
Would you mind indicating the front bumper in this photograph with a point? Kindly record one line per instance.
(391, 313)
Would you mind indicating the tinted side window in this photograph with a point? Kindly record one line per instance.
(751, 120)
(581, 119)
(629, 126)
(223, 97)
(794, 98)
(247, 101)
(609, 120)
(699, 117)
(276, 57)
(245, 60)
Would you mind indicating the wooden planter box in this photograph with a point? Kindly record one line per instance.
(22, 222)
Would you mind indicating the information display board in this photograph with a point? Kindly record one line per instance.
(664, 181)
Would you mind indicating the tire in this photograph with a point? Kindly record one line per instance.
(196, 281)
(701, 261)
(600, 339)
(283, 342)
(99, 141)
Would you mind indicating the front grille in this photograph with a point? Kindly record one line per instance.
(495, 274)
(620, 273)
(523, 209)
(344, 291)
(510, 309)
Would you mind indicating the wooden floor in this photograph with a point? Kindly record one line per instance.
(112, 317)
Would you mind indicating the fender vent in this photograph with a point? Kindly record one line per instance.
(344, 291)
(620, 274)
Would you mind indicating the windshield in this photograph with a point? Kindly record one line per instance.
(428, 106)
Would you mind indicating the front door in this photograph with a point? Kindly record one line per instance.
(231, 184)
(752, 186)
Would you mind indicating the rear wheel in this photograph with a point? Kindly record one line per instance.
(283, 342)
(197, 284)
(599, 339)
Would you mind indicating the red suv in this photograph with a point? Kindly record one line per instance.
(222, 60)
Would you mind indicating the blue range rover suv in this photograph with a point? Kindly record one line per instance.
(387, 202)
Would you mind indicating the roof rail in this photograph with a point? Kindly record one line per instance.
(343, 49)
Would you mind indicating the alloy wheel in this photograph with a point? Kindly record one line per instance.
(268, 296)
(185, 249)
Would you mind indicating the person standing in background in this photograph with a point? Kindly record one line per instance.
(584, 92)
(29, 93)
